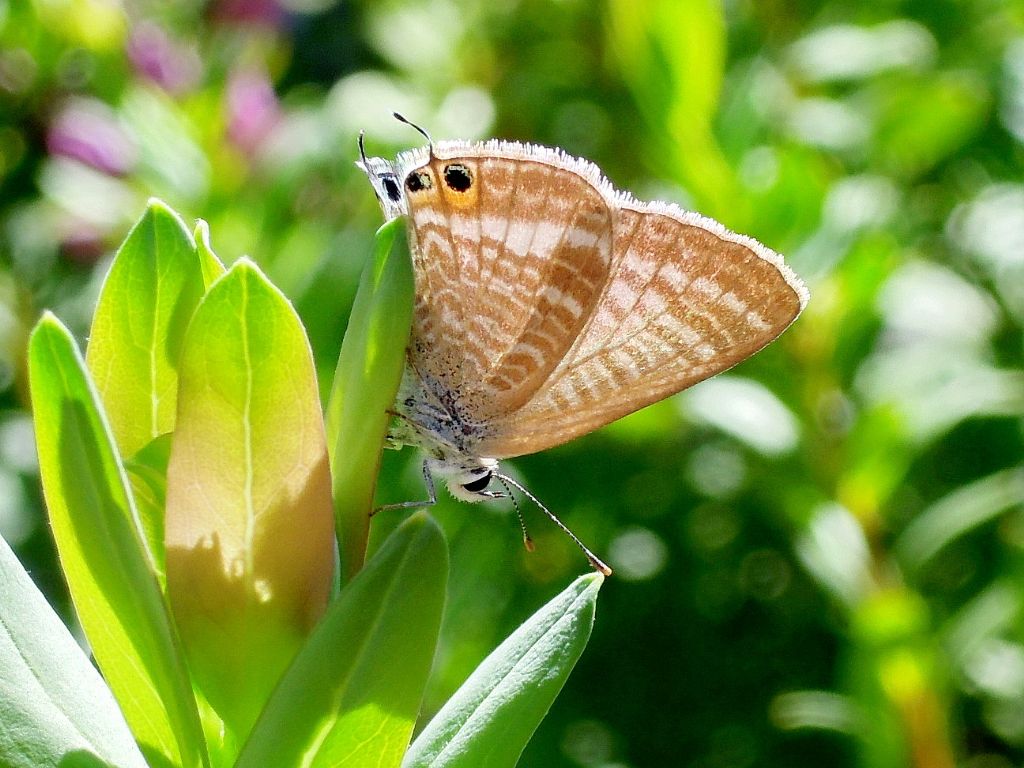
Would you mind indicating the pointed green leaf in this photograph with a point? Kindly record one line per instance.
(208, 261)
(53, 704)
(352, 695)
(489, 720)
(100, 542)
(249, 526)
(148, 297)
(365, 384)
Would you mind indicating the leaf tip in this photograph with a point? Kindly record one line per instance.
(156, 205)
(47, 318)
(420, 520)
(48, 323)
(245, 266)
(421, 526)
(390, 227)
(158, 212)
(592, 580)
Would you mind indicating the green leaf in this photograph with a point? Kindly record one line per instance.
(209, 263)
(954, 515)
(54, 706)
(154, 285)
(365, 384)
(147, 473)
(352, 695)
(249, 527)
(489, 720)
(100, 542)
(672, 58)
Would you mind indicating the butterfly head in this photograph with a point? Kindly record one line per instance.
(423, 178)
(385, 182)
(468, 480)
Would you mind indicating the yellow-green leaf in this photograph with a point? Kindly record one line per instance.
(208, 261)
(100, 542)
(365, 383)
(352, 696)
(154, 285)
(147, 473)
(249, 528)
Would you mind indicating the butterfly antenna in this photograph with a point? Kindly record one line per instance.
(362, 152)
(595, 561)
(403, 119)
(527, 541)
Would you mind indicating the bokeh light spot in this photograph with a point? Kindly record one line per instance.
(637, 554)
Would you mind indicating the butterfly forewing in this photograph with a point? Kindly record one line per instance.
(685, 300)
(509, 271)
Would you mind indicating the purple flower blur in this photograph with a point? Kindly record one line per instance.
(166, 62)
(253, 109)
(87, 130)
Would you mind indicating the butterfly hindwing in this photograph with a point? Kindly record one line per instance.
(685, 299)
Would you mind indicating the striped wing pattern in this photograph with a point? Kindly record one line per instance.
(683, 302)
(509, 272)
(549, 304)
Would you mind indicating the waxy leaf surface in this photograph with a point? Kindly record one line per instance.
(489, 720)
(249, 525)
(352, 696)
(365, 383)
(100, 541)
(54, 706)
(154, 285)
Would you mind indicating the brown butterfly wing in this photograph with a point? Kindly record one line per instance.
(508, 271)
(686, 299)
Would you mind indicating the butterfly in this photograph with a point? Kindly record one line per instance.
(549, 304)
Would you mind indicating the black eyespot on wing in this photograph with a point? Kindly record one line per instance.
(475, 486)
(391, 189)
(416, 181)
(458, 177)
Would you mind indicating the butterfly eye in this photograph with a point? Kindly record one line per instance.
(416, 181)
(457, 177)
(391, 189)
(475, 486)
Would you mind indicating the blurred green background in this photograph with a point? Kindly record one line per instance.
(820, 555)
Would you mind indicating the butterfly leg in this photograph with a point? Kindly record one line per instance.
(428, 480)
(393, 440)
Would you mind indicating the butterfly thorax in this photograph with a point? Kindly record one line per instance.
(435, 424)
